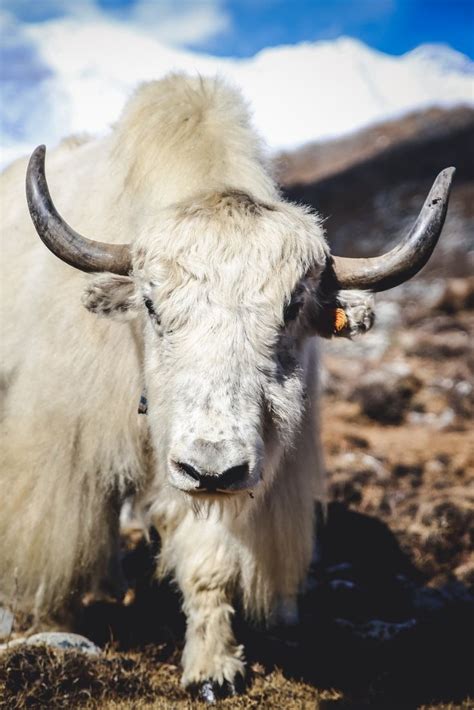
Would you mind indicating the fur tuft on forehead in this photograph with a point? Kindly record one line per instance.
(182, 133)
(237, 248)
(233, 203)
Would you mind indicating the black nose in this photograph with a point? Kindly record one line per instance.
(230, 479)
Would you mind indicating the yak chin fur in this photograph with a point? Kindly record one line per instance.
(181, 177)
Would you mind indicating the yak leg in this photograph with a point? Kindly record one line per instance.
(212, 660)
(205, 572)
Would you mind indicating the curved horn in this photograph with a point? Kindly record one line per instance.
(59, 237)
(409, 256)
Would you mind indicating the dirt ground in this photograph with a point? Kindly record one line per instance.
(387, 614)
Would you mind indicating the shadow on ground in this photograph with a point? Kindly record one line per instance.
(369, 625)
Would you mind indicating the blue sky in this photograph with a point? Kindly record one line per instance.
(241, 28)
(68, 66)
(393, 26)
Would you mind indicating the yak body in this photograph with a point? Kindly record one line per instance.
(218, 255)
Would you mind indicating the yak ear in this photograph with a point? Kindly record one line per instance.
(348, 313)
(111, 296)
(358, 309)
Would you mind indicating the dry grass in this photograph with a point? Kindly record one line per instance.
(42, 677)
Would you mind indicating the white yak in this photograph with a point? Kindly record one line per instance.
(207, 291)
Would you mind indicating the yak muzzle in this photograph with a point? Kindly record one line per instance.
(213, 467)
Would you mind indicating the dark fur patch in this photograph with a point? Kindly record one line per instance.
(229, 201)
(285, 359)
(245, 202)
(109, 295)
(140, 258)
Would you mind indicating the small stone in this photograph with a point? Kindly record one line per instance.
(385, 394)
(343, 488)
(441, 346)
(64, 641)
(435, 468)
(6, 622)
(411, 471)
(57, 639)
(465, 573)
(457, 295)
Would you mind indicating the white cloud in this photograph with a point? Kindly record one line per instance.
(175, 22)
(181, 23)
(67, 76)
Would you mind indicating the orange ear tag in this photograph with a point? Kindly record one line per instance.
(339, 320)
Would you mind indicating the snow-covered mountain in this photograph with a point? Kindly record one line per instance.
(66, 76)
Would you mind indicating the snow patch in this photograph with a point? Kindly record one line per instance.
(73, 76)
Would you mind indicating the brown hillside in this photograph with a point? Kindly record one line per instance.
(371, 185)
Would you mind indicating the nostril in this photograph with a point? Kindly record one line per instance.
(229, 479)
(234, 475)
(209, 483)
(188, 470)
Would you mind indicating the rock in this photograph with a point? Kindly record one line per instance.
(354, 441)
(385, 394)
(6, 622)
(449, 517)
(428, 600)
(449, 344)
(56, 639)
(377, 630)
(351, 474)
(344, 488)
(440, 323)
(457, 295)
(461, 398)
(443, 420)
(411, 471)
(465, 573)
(65, 641)
(442, 527)
(447, 393)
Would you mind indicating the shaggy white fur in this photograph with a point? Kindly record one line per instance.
(203, 323)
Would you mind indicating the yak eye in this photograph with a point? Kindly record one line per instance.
(291, 311)
(292, 308)
(150, 307)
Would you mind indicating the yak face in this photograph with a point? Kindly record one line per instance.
(228, 287)
(224, 286)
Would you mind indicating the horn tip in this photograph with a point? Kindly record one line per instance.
(442, 185)
(448, 173)
(40, 151)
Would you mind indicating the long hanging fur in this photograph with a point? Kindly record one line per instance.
(182, 176)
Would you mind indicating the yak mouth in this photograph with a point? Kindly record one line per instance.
(209, 492)
(240, 479)
(204, 502)
(214, 495)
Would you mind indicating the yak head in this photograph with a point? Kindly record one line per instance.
(229, 289)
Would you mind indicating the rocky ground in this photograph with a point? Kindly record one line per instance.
(397, 426)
